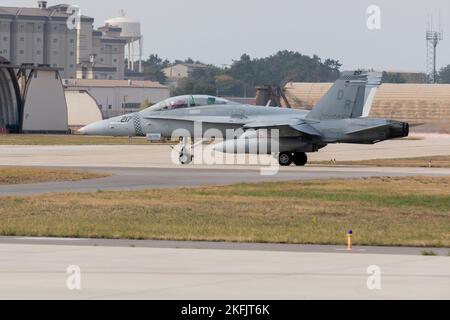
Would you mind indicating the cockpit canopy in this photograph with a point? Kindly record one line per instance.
(188, 102)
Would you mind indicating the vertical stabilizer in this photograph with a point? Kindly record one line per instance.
(351, 96)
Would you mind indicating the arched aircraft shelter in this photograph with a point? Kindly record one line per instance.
(10, 99)
(32, 99)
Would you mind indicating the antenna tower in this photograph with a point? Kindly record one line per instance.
(433, 38)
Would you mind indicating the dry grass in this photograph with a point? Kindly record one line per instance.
(424, 162)
(18, 175)
(46, 139)
(401, 212)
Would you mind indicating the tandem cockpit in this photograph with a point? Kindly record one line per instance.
(188, 101)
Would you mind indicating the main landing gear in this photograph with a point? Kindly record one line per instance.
(300, 159)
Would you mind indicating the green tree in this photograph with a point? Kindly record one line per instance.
(228, 86)
(283, 67)
(153, 68)
(200, 81)
(389, 77)
(444, 74)
(245, 74)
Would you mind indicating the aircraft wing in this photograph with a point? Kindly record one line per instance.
(271, 123)
(204, 119)
(307, 129)
(296, 124)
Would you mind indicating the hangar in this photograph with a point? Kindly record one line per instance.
(10, 98)
(25, 105)
(82, 109)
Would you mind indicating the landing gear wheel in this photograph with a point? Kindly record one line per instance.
(285, 159)
(185, 157)
(300, 159)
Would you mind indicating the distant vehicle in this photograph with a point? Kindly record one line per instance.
(341, 116)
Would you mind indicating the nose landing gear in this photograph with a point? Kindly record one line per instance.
(185, 157)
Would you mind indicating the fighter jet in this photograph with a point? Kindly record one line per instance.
(341, 116)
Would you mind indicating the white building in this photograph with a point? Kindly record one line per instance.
(117, 97)
(180, 71)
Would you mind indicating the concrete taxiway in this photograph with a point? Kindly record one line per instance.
(159, 178)
(40, 272)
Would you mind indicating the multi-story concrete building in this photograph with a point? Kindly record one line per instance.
(107, 58)
(41, 36)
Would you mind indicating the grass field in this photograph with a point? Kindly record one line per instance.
(41, 139)
(424, 162)
(388, 211)
(17, 175)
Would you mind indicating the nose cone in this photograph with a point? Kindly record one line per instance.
(95, 129)
(82, 131)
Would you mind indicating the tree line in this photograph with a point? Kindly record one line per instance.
(243, 76)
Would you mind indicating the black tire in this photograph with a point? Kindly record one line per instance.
(185, 158)
(300, 159)
(285, 159)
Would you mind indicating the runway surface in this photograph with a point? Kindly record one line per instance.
(157, 178)
(156, 156)
(40, 272)
(35, 268)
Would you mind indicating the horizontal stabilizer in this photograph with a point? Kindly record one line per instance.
(368, 128)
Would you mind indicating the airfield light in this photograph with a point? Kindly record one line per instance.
(350, 240)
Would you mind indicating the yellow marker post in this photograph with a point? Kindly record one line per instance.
(350, 240)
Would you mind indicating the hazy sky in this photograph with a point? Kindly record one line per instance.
(220, 31)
